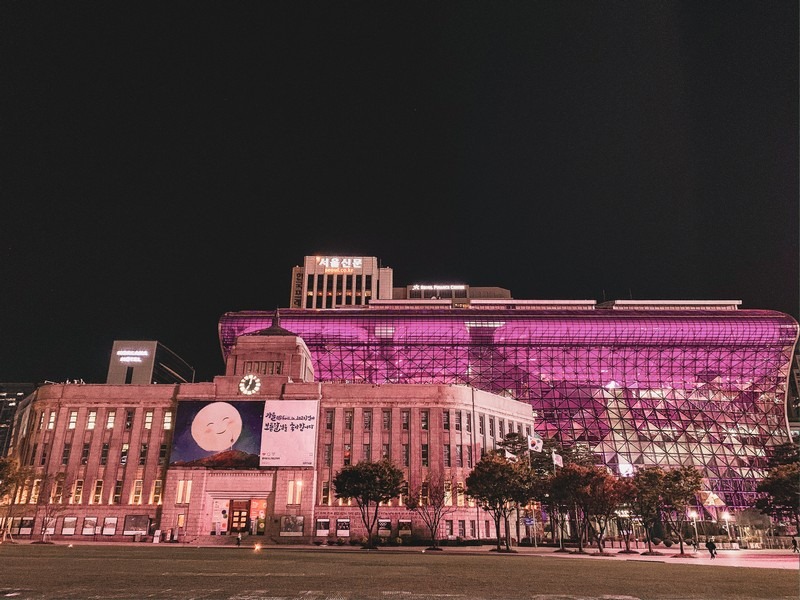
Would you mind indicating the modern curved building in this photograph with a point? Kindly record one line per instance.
(640, 383)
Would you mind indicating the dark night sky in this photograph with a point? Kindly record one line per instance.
(164, 163)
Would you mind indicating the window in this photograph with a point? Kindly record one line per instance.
(327, 456)
(406, 456)
(368, 452)
(112, 414)
(136, 495)
(460, 493)
(148, 419)
(347, 454)
(348, 419)
(167, 419)
(97, 494)
(446, 419)
(424, 455)
(424, 493)
(423, 415)
(459, 455)
(183, 493)
(448, 493)
(73, 419)
(385, 451)
(104, 455)
(469, 421)
(446, 454)
(462, 528)
(123, 455)
(491, 427)
(43, 459)
(527, 430)
(91, 420)
(33, 454)
(387, 420)
(117, 497)
(405, 418)
(448, 527)
(480, 424)
(65, 454)
(37, 487)
(143, 454)
(500, 428)
(158, 490)
(472, 528)
(129, 419)
(329, 419)
(41, 421)
(325, 499)
(77, 492)
(458, 420)
(469, 456)
(85, 454)
(162, 454)
(295, 492)
(51, 422)
(58, 492)
(367, 420)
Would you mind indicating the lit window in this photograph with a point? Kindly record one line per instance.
(51, 421)
(326, 493)
(184, 491)
(295, 492)
(423, 415)
(148, 419)
(97, 495)
(77, 492)
(167, 419)
(112, 414)
(73, 419)
(155, 497)
(136, 495)
(91, 419)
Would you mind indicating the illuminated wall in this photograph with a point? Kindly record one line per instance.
(639, 387)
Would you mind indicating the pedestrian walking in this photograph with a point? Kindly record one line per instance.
(711, 547)
(238, 539)
(794, 545)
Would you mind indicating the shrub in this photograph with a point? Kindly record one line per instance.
(667, 543)
(655, 541)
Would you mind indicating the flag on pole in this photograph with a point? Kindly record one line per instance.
(535, 442)
(558, 460)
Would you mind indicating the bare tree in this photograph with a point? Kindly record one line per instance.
(49, 501)
(432, 500)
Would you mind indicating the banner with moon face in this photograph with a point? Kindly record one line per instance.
(289, 434)
(224, 435)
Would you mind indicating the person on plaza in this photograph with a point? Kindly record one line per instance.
(694, 544)
(238, 539)
(794, 545)
(711, 547)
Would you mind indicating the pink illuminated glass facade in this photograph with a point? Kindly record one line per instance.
(639, 387)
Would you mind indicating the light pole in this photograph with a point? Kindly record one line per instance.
(693, 515)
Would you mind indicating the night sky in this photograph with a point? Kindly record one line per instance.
(164, 163)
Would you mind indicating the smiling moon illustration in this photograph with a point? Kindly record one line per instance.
(217, 426)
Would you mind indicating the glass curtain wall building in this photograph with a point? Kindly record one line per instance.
(640, 383)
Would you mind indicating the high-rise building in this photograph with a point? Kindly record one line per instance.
(11, 394)
(146, 362)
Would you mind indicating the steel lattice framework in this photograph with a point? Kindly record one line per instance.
(639, 387)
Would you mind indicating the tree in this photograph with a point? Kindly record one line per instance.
(430, 501)
(494, 484)
(648, 483)
(784, 454)
(13, 479)
(586, 491)
(780, 493)
(679, 491)
(369, 484)
(604, 496)
(49, 485)
(626, 492)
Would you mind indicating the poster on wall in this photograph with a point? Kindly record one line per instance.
(322, 527)
(26, 526)
(89, 526)
(135, 524)
(50, 526)
(289, 433)
(109, 525)
(292, 525)
(68, 527)
(217, 435)
(343, 527)
(220, 509)
(258, 516)
(404, 527)
(384, 527)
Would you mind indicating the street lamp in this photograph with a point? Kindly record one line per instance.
(693, 515)
(726, 515)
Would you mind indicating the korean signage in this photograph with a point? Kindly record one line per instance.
(342, 265)
(289, 433)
